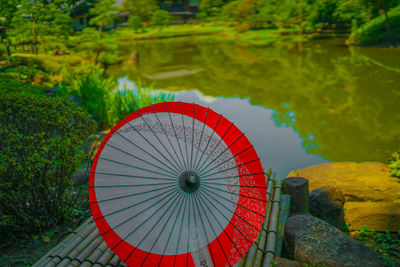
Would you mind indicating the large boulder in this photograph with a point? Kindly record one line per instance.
(310, 240)
(367, 181)
(327, 204)
(379, 216)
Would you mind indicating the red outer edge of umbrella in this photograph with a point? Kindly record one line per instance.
(222, 251)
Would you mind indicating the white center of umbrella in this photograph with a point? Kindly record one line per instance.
(189, 181)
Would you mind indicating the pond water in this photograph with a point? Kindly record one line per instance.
(300, 104)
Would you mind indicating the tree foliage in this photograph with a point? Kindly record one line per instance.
(160, 19)
(34, 22)
(142, 8)
(135, 22)
(104, 12)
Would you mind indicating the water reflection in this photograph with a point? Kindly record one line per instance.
(279, 147)
(341, 103)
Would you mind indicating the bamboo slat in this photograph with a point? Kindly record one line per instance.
(264, 230)
(273, 225)
(284, 211)
(97, 253)
(46, 259)
(75, 250)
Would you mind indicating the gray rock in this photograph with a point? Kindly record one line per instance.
(310, 240)
(283, 262)
(327, 204)
(80, 177)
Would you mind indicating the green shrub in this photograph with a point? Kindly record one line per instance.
(10, 85)
(42, 142)
(160, 18)
(394, 164)
(135, 23)
(375, 32)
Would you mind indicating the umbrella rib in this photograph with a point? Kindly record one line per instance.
(229, 221)
(180, 231)
(223, 229)
(133, 156)
(201, 171)
(169, 140)
(130, 233)
(231, 211)
(188, 244)
(147, 141)
(215, 147)
(212, 228)
(233, 202)
(172, 230)
(131, 195)
(205, 148)
(234, 176)
(128, 165)
(161, 231)
(235, 194)
(191, 156)
(176, 136)
(184, 135)
(242, 164)
(134, 176)
(204, 229)
(117, 211)
(158, 139)
(237, 185)
(129, 185)
(201, 137)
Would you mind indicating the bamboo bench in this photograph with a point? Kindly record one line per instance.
(85, 247)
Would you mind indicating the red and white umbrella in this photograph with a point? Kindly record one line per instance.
(176, 184)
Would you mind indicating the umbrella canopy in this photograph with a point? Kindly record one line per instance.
(176, 184)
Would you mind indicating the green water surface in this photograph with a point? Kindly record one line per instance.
(342, 103)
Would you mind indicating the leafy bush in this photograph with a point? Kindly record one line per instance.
(42, 142)
(394, 164)
(385, 244)
(135, 23)
(10, 85)
(160, 18)
(375, 31)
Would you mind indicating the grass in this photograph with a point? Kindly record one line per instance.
(130, 99)
(224, 31)
(174, 30)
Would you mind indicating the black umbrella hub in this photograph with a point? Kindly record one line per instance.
(189, 181)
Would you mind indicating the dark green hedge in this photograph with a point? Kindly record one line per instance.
(43, 141)
(12, 85)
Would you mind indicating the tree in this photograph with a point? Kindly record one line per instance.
(160, 18)
(104, 12)
(134, 22)
(7, 12)
(141, 8)
(383, 5)
(34, 22)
